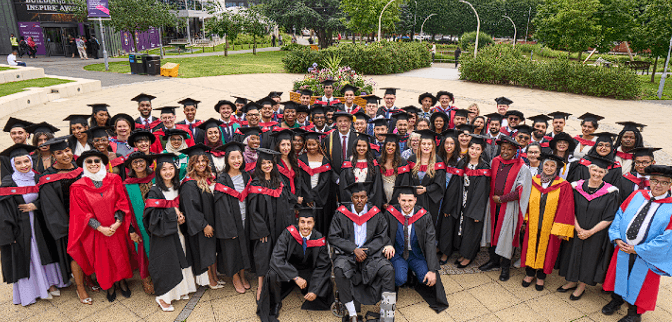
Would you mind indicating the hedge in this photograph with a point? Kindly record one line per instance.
(378, 58)
(502, 64)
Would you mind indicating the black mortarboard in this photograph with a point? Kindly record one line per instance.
(348, 87)
(250, 130)
(168, 133)
(57, 144)
(139, 135)
(356, 187)
(390, 90)
(98, 107)
(465, 128)
(211, 122)
(250, 106)
(450, 132)
(549, 156)
(189, 101)
(77, 119)
(14, 122)
(299, 131)
(266, 100)
(285, 134)
(42, 127)
(517, 113)
(317, 109)
(363, 136)
(224, 102)
(167, 109)
(425, 95)
(307, 212)
(306, 92)
(509, 140)
(494, 117)
(601, 162)
(591, 117)
(541, 118)
(372, 99)
(605, 137)
(481, 140)
(447, 93)
(503, 101)
(640, 152)
(98, 132)
(379, 121)
(91, 153)
(164, 158)
(142, 97)
(328, 82)
(274, 94)
(124, 116)
(632, 126)
(198, 149)
(362, 116)
(302, 109)
(426, 134)
(231, 146)
(659, 170)
(559, 115)
(240, 100)
(524, 128)
(338, 114)
(266, 154)
(442, 115)
(411, 109)
(391, 137)
(18, 150)
(290, 105)
(138, 155)
(400, 116)
(562, 136)
(407, 190)
(311, 135)
(462, 112)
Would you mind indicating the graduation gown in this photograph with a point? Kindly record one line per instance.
(457, 225)
(198, 210)
(290, 179)
(268, 213)
(230, 230)
(639, 285)
(5, 166)
(587, 260)
(436, 186)
(579, 171)
(54, 201)
(108, 257)
(422, 222)
(318, 194)
(166, 255)
(331, 145)
(401, 178)
(546, 227)
(630, 183)
(366, 288)
(347, 178)
(38, 166)
(16, 232)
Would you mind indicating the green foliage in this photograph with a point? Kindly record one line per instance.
(343, 75)
(504, 65)
(323, 16)
(225, 23)
(288, 46)
(378, 58)
(363, 15)
(568, 24)
(139, 15)
(15, 87)
(332, 61)
(469, 39)
(654, 27)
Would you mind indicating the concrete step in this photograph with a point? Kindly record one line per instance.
(20, 73)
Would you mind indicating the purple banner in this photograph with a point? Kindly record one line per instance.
(145, 40)
(98, 8)
(33, 29)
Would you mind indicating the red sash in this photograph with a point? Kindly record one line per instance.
(397, 214)
(624, 155)
(11, 191)
(586, 163)
(550, 188)
(423, 168)
(359, 165)
(454, 170)
(355, 110)
(162, 203)
(357, 219)
(400, 170)
(289, 174)
(117, 161)
(266, 191)
(150, 127)
(250, 166)
(584, 141)
(375, 147)
(232, 192)
(59, 176)
(310, 242)
(146, 179)
(310, 171)
(218, 154)
(640, 182)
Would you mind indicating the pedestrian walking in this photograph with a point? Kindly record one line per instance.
(458, 52)
(81, 48)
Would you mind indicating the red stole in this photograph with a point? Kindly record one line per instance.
(400, 217)
(357, 219)
(146, 179)
(400, 170)
(282, 168)
(11, 191)
(423, 168)
(310, 171)
(233, 192)
(162, 203)
(584, 141)
(310, 242)
(640, 182)
(266, 191)
(624, 155)
(250, 166)
(59, 176)
(510, 181)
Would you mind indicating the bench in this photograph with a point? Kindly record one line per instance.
(638, 65)
(179, 45)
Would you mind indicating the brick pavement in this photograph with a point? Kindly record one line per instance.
(472, 297)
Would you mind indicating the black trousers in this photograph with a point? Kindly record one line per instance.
(632, 309)
(504, 262)
(344, 284)
(529, 271)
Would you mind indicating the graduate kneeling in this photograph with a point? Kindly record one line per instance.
(412, 245)
(300, 258)
(358, 233)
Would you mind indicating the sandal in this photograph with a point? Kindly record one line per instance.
(148, 286)
(89, 282)
(87, 300)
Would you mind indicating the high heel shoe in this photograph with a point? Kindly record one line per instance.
(127, 292)
(170, 308)
(112, 296)
(459, 265)
(87, 300)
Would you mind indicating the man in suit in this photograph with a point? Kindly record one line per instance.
(145, 120)
(338, 144)
(189, 107)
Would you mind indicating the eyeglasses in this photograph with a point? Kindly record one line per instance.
(642, 163)
(138, 162)
(91, 161)
(655, 182)
(523, 137)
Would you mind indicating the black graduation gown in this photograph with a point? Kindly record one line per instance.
(435, 296)
(37, 163)
(579, 171)
(587, 260)
(464, 235)
(627, 186)
(331, 145)
(166, 256)
(319, 194)
(16, 232)
(347, 177)
(197, 208)
(269, 212)
(285, 174)
(230, 231)
(54, 201)
(5, 166)
(403, 179)
(366, 287)
(436, 186)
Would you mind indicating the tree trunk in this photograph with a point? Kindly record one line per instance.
(226, 46)
(322, 38)
(580, 52)
(254, 45)
(353, 38)
(653, 75)
(135, 45)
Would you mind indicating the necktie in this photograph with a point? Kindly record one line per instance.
(147, 124)
(407, 241)
(642, 183)
(633, 230)
(304, 245)
(191, 128)
(344, 147)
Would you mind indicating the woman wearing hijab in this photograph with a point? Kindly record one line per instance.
(251, 137)
(100, 225)
(176, 143)
(170, 255)
(32, 47)
(28, 261)
(603, 148)
(213, 140)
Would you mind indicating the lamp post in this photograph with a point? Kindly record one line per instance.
(478, 26)
(415, 20)
(662, 77)
(380, 19)
(423, 26)
(515, 31)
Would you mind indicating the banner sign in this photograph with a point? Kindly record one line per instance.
(33, 29)
(98, 8)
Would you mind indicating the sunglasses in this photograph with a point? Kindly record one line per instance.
(91, 161)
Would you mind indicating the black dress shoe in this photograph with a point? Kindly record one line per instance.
(565, 290)
(538, 287)
(275, 310)
(489, 266)
(526, 284)
(127, 292)
(504, 276)
(443, 262)
(459, 265)
(631, 318)
(576, 298)
(112, 296)
(612, 307)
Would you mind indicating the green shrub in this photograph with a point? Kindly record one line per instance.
(502, 64)
(468, 40)
(378, 58)
(289, 46)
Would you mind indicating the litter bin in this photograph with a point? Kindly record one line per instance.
(153, 63)
(131, 61)
(140, 63)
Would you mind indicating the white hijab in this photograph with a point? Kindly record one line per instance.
(98, 176)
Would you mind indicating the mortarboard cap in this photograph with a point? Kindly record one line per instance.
(465, 128)
(372, 99)
(400, 116)
(541, 118)
(274, 94)
(312, 135)
(307, 212)
(306, 92)
(189, 102)
(250, 106)
(266, 154)
(494, 117)
(442, 115)
(379, 121)
(524, 128)
(98, 107)
(57, 144)
(18, 150)
(240, 100)
(14, 122)
(632, 126)
(338, 114)
(42, 127)
(300, 108)
(290, 105)
(503, 101)
(362, 116)
(462, 112)
(348, 87)
(317, 109)
(359, 187)
(328, 82)
(231, 146)
(559, 115)
(406, 190)
(251, 130)
(198, 149)
(605, 136)
(426, 134)
(363, 136)
(98, 132)
(390, 90)
(591, 117)
(450, 132)
(142, 97)
(164, 158)
(266, 101)
(411, 109)
(224, 102)
(391, 137)
(209, 123)
(167, 109)
(640, 152)
(285, 134)
(481, 140)
(172, 132)
(77, 119)
(601, 162)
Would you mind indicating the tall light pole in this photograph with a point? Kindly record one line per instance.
(515, 31)
(662, 77)
(415, 20)
(478, 26)
(380, 19)
(423, 26)
(527, 28)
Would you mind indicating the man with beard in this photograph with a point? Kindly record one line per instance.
(629, 138)
(266, 110)
(319, 120)
(513, 119)
(540, 125)
(145, 120)
(494, 135)
(559, 119)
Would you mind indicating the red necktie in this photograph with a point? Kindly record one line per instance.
(345, 148)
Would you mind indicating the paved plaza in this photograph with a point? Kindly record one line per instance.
(472, 297)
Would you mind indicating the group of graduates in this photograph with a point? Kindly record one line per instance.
(379, 197)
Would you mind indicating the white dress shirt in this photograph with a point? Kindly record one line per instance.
(360, 230)
(641, 234)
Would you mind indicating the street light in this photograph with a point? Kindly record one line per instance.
(380, 19)
(423, 26)
(415, 20)
(662, 77)
(478, 26)
(515, 31)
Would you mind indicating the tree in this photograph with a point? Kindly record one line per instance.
(139, 15)
(322, 16)
(616, 20)
(255, 24)
(225, 24)
(363, 15)
(654, 29)
(571, 25)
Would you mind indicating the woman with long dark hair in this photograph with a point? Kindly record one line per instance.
(428, 174)
(287, 163)
(562, 145)
(362, 167)
(42, 132)
(439, 122)
(99, 116)
(214, 140)
(80, 141)
(316, 175)
(394, 169)
(587, 139)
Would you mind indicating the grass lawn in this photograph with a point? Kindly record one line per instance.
(15, 87)
(263, 62)
(651, 89)
(172, 51)
(5, 68)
